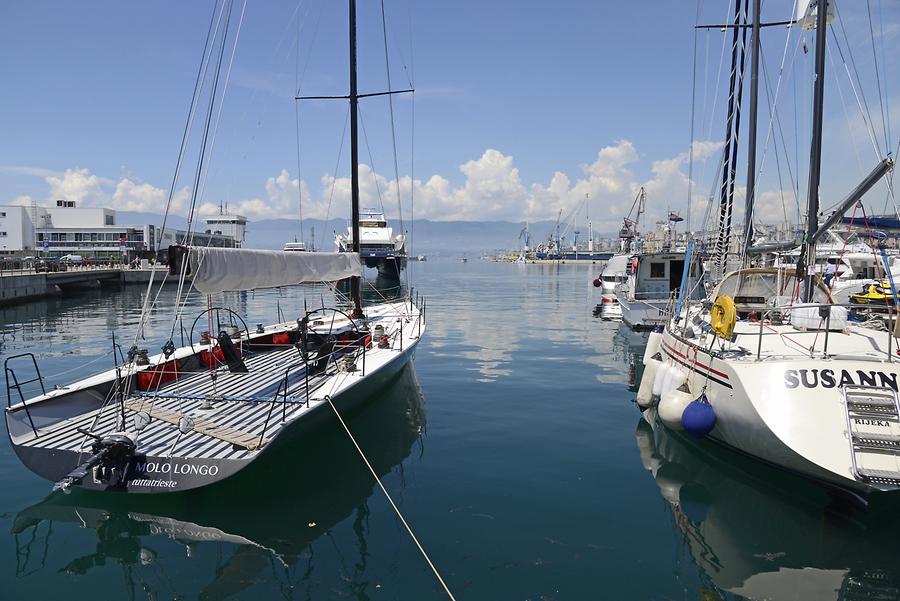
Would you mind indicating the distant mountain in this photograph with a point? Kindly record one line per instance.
(450, 238)
(426, 237)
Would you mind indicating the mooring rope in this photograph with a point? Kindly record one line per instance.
(390, 500)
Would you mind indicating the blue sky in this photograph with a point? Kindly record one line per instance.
(520, 110)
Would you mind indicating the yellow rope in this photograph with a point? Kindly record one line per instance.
(391, 501)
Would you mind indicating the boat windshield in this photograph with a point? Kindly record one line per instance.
(845, 236)
(765, 287)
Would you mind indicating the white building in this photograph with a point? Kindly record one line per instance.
(228, 224)
(16, 229)
(65, 228)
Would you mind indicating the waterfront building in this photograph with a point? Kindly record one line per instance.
(65, 228)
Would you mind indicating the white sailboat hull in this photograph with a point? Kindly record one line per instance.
(791, 412)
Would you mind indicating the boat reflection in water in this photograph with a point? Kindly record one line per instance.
(760, 533)
(628, 346)
(380, 289)
(258, 525)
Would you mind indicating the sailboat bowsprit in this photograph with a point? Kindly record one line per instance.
(197, 414)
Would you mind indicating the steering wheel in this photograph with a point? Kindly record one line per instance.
(218, 323)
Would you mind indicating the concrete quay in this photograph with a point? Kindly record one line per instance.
(24, 285)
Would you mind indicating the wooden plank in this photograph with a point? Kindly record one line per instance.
(206, 426)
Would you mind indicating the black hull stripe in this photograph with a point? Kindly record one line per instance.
(703, 374)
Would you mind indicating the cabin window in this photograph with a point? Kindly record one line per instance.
(657, 270)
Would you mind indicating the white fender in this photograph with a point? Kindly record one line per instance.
(672, 404)
(645, 392)
(658, 380)
(653, 344)
(646, 447)
(669, 479)
(673, 380)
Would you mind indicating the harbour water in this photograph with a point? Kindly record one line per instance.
(512, 446)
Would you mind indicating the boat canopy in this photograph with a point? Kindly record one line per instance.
(219, 269)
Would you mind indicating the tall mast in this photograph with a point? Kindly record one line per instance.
(751, 151)
(815, 151)
(354, 160)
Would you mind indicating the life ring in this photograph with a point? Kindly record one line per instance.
(723, 316)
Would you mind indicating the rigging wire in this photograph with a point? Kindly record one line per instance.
(201, 160)
(297, 125)
(866, 114)
(337, 164)
(881, 99)
(846, 112)
(209, 113)
(198, 88)
(774, 116)
(299, 78)
(884, 63)
(215, 131)
(390, 96)
(775, 121)
(690, 181)
(773, 113)
(412, 152)
(712, 113)
(371, 160)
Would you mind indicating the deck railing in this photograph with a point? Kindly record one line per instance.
(782, 312)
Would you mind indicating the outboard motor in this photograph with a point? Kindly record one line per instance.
(109, 461)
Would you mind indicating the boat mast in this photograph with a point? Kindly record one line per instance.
(354, 161)
(751, 151)
(815, 151)
(587, 212)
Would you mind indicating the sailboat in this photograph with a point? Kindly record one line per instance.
(199, 413)
(238, 537)
(768, 364)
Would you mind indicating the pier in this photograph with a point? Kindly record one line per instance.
(19, 285)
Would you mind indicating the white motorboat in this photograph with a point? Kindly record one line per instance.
(378, 246)
(615, 272)
(646, 296)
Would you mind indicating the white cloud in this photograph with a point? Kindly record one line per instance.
(29, 171)
(492, 189)
(77, 184)
(131, 196)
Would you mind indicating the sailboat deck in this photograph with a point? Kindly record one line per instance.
(244, 415)
(784, 341)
